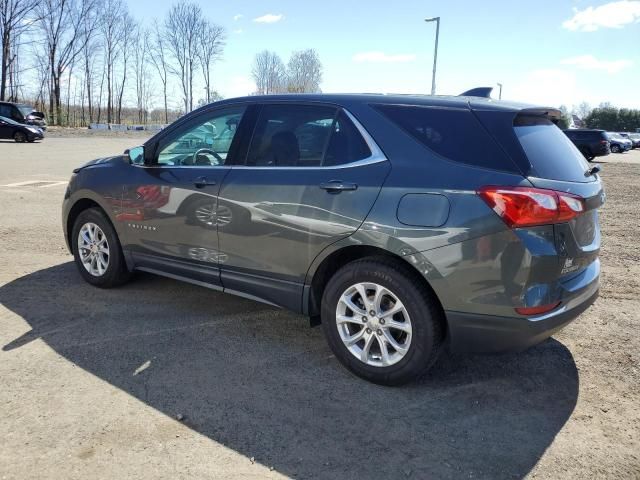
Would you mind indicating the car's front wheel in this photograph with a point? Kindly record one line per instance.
(615, 148)
(96, 250)
(20, 137)
(381, 322)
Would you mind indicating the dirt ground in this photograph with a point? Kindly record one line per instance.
(160, 379)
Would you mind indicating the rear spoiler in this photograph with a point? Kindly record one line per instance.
(552, 114)
(482, 92)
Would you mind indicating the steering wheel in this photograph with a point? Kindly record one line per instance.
(205, 151)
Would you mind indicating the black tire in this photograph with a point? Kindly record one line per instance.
(422, 307)
(20, 137)
(116, 272)
(615, 149)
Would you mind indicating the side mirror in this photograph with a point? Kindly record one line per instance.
(136, 155)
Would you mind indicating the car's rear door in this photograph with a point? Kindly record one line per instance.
(310, 176)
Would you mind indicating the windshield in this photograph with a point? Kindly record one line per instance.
(614, 136)
(550, 152)
(25, 109)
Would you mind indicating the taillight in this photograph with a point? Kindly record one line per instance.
(604, 142)
(527, 207)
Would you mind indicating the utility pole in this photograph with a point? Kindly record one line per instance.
(500, 94)
(435, 53)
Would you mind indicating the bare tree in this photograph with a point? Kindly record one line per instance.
(209, 50)
(111, 29)
(269, 73)
(583, 110)
(159, 59)
(183, 31)
(16, 16)
(129, 28)
(62, 26)
(90, 58)
(304, 72)
(141, 50)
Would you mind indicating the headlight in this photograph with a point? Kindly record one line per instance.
(33, 129)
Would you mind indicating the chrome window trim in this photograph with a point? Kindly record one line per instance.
(377, 156)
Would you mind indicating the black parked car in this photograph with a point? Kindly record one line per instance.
(400, 223)
(591, 142)
(21, 113)
(19, 132)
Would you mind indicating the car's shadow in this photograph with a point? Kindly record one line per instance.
(260, 381)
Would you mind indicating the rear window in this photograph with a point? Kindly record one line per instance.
(550, 152)
(455, 134)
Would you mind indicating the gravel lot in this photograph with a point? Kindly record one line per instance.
(160, 379)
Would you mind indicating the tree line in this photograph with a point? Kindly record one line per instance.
(604, 117)
(90, 61)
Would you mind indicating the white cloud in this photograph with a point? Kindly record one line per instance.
(269, 18)
(589, 62)
(237, 17)
(238, 31)
(609, 15)
(381, 57)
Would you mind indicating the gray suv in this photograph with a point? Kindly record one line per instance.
(402, 224)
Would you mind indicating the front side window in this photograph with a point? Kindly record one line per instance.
(205, 143)
(305, 136)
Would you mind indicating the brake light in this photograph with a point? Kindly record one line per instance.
(527, 207)
(604, 142)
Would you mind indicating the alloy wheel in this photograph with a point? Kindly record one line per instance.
(93, 249)
(373, 324)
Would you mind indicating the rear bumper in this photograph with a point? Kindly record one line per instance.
(476, 333)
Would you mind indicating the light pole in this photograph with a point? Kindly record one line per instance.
(500, 94)
(435, 53)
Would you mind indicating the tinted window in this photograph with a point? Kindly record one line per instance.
(346, 144)
(455, 134)
(207, 142)
(291, 135)
(550, 152)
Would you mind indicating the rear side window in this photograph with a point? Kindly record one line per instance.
(305, 136)
(455, 134)
(550, 152)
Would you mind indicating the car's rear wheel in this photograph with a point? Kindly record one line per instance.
(20, 137)
(380, 322)
(96, 250)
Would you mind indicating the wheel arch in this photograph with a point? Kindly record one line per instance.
(316, 285)
(76, 209)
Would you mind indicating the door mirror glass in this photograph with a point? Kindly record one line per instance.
(136, 155)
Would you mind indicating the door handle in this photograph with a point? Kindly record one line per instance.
(337, 186)
(202, 182)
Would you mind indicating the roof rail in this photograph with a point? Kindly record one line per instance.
(484, 92)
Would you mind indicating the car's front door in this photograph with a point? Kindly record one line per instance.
(309, 179)
(169, 206)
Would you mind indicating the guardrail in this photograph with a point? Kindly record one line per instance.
(116, 127)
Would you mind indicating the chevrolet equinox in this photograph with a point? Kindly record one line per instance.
(402, 224)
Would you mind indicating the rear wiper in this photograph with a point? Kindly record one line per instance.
(592, 170)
